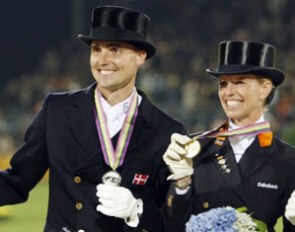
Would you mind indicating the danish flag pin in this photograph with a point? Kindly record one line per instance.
(140, 179)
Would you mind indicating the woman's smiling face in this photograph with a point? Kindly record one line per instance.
(242, 97)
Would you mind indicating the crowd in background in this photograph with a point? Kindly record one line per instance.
(186, 34)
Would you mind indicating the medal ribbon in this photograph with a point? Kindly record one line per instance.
(115, 158)
(193, 146)
(252, 129)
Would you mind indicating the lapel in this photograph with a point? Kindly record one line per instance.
(231, 179)
(144, 129)
(81, 118)
(225, 163)
(255, 156)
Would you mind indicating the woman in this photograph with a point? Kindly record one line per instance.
(241, 163)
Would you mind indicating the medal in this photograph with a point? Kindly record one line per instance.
(114, 156)
(112, 178)
(192, 148)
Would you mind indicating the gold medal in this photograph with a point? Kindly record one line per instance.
(192, 148)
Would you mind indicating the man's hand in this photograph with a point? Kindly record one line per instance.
(119, 202)
(177, 159)
(290, 209)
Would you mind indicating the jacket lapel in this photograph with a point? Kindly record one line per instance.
(143, 130)
(255, 156)
(225, 163)
(80, 116)
(223, 156)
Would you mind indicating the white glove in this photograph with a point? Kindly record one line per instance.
(290, 209)
(177, 158)
(119, 202)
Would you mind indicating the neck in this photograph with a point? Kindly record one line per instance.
(246, 122)
(115, 97)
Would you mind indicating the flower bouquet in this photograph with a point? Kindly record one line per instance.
(224, 219)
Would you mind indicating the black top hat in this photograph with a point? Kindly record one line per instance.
(245, 57)
(114, 23)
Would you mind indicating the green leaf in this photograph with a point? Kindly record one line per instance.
(242, 209)
(261, 226)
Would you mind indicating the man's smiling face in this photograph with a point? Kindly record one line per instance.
(114, 64)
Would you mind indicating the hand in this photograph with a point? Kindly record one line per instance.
(290, 209)
(176, 157)
(119, 202)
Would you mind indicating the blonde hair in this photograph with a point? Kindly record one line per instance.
(269, 98)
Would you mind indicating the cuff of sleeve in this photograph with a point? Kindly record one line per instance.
(136, 213)
(182, 191)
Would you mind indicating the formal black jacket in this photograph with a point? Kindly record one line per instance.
(63, 137)
(262, 181)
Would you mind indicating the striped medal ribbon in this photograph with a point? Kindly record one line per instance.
(193, 147)
(115, 157)
(252, 129)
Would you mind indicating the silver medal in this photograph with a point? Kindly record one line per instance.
(112, 178)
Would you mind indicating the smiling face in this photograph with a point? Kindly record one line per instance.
(243, 97)
(114, 66)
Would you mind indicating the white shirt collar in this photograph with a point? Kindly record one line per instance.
(120, 108)
(116, 114)
(239, 144)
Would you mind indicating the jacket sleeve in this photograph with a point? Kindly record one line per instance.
(28, 164)
(288, 226)
(176, 210)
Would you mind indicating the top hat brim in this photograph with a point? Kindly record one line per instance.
(276, 75)
(138, 43)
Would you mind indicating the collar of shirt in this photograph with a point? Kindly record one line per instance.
(116, 114)
(239, 144)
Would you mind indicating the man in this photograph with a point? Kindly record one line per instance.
(241, 163)
(104, 144)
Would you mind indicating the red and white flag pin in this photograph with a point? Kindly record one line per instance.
(140, 179)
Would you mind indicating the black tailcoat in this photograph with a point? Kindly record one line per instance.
(262, 181)
(63, 137)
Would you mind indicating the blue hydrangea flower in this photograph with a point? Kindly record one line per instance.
(223, 219)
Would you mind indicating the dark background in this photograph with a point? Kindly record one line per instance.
(30, 27)
(27, 29)
(40, 53)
